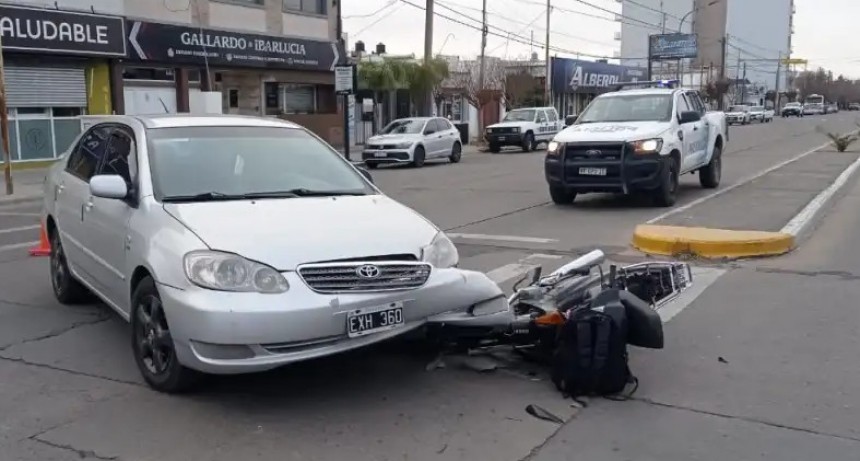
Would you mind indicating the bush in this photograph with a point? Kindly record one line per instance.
(840, 141)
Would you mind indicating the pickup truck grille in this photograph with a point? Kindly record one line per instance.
(591, 152)
(352, 277)
(504, 130)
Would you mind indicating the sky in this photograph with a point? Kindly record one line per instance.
(825, 30)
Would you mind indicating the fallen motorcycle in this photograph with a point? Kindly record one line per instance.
(537, 309)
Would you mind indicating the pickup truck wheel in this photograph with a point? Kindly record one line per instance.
(561, 196)
(372, 165)
(418, 157)
(528, 142)
(666, 194)
(67, 290)
(495, 148)
(710, 174)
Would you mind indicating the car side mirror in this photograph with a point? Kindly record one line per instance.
(110, 186)
(570, 120)
(428, 132)
(690, 116)
(366, 174)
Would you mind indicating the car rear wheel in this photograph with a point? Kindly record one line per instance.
(666, 194)
(372, 165)
(456, 153)
(528, 142)
(561, 196)
(710, 174)
(495, 148)
(418, 157)
(152, 344)
(67, 290)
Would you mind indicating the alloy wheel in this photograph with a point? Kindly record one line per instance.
(152, 336)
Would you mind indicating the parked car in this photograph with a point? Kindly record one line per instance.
(854, 106)
(526, 127)
(221, 239)
(792, 109)
(813, 109)
(414, 141)
(760, 114)
(637, 140)
(738, 114)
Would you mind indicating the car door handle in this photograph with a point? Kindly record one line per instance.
(695, 128)
(89, 205)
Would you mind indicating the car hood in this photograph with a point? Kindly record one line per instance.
(284, 233)
(393, 138)
(613, 131)
(507, 124)
(737, 114)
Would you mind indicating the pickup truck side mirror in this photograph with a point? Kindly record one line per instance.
(570, 120)
(689, 116)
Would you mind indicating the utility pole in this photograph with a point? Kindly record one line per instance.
(428, 50)
(722, 80)
(776, 86)
(548, 79)
(480, 94)
(744, 92)
(4, 127)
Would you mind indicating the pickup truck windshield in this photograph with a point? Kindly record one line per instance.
(628, 108)
(523, 115)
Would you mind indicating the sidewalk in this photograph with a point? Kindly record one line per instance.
(27, 184)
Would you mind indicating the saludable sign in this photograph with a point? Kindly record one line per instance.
(170, 43)
(63, 32)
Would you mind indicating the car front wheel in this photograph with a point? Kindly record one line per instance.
(561, 196)
(67, 290)
(152, 344)
(666, 193)
(528, 142)
(456, 153)
(418, 157)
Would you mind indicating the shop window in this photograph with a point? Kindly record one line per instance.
(270, 91)
(233, 98)
(299, 99)
(67, 111)
(32, 110)
(39, 133)
(306, 6)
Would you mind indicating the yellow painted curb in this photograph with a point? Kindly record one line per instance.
(709, 243)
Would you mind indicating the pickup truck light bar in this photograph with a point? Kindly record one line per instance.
(648, 84)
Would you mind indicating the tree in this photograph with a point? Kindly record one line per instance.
(465, 78)
(394, 74)
(424, 79)
(523, 90)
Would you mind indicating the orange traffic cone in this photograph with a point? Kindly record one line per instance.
(44, 246)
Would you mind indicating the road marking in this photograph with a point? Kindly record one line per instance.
(17, 229)
(16, 246)
(703, 277)
(508, 272)
(802, 221)
(734, 186)
(501, 238)
(3, 213)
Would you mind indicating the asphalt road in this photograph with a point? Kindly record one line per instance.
(786, 328)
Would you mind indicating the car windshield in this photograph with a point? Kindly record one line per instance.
(793, 104)
(628, 108)
(757, 108)
(738, 108)
(221, 163)
(520, 115)
(404, 126)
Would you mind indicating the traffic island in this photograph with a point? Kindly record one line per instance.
(709, 243)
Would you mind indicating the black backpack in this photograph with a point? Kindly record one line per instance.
(591, 353)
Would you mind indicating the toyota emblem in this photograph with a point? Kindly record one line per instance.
(368, 271)
(592, 152)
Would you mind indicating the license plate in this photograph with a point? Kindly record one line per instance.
(380, 154)
(362, 322)
(592, 171)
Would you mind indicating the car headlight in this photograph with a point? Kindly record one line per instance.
(441, 252)
(516, 129)
(647, 146)
(554, 148)
(404, 145)
(229, 272)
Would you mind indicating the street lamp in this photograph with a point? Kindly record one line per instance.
(445, 42)
(684, 18)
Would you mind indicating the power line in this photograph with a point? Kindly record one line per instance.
(521, 31)
(651, 8)
(604, 18)
(378, 20)
(516, 38)
(368, 15)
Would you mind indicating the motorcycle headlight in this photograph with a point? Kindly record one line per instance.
(441, 252)
(647, 146)
(554, 148)
(404, 145)
(229, 272)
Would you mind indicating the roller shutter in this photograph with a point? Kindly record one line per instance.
(45, 87)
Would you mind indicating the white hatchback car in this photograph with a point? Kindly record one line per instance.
(239, 244)
(414, 141)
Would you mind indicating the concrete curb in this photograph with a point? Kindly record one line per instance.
(709, 243)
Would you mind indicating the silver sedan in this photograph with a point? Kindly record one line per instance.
(221, 239)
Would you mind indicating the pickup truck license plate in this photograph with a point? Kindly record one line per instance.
(361, 322)
(501, 138)
(380, 154)
(592, 171)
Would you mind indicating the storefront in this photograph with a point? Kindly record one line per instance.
(56, 69)
(173, 68)
(575, 83)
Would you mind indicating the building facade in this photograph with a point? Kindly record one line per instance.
(252, 57)
(646, 17)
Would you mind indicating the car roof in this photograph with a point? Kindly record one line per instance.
(637, 91)
(194, 120)
(533, 108)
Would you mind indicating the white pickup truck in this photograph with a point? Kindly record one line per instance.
(637, 140)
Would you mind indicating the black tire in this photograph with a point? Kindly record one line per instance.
(152, 345)
(561, 196)
(372, 166)
(667, 193)
(456, 153)
(710, 174)
(528, 142)
(418, 157)
(495, 148)
(66, 288)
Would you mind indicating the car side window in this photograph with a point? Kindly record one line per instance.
(541, 117)
(697, 102)
(553, 115)
(430, 127)
(683, 106)
(119, 157)
(87, 156)
(445, 124)
(439, 125)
